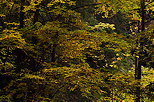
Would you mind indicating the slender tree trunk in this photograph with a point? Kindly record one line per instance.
(138, 60)
(138, 77)
(143, 15)
(53, 54)
(36, 15)
(2, 24)
(21, 19)
(54, 46)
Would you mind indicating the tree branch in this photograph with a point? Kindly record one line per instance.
(149, 3)
(82, 6)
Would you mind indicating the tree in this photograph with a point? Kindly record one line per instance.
(48, 51)
(120, 6)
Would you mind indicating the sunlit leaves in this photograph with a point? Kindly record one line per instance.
(77, 42)
(115, 6)
(69, 2)
(30, 76)
(61, 42)
(87, 80)
(11, 38)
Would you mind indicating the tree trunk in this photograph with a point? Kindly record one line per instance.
(138, 77)
(138, 64)
(21, 19)
(143, 15)
(53, 54)
(54, 46)
(36, 15)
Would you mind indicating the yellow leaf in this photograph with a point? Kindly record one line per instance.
(119, 58)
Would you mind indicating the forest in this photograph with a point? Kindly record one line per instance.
(76, 50)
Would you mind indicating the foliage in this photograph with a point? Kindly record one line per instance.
(55, 50)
